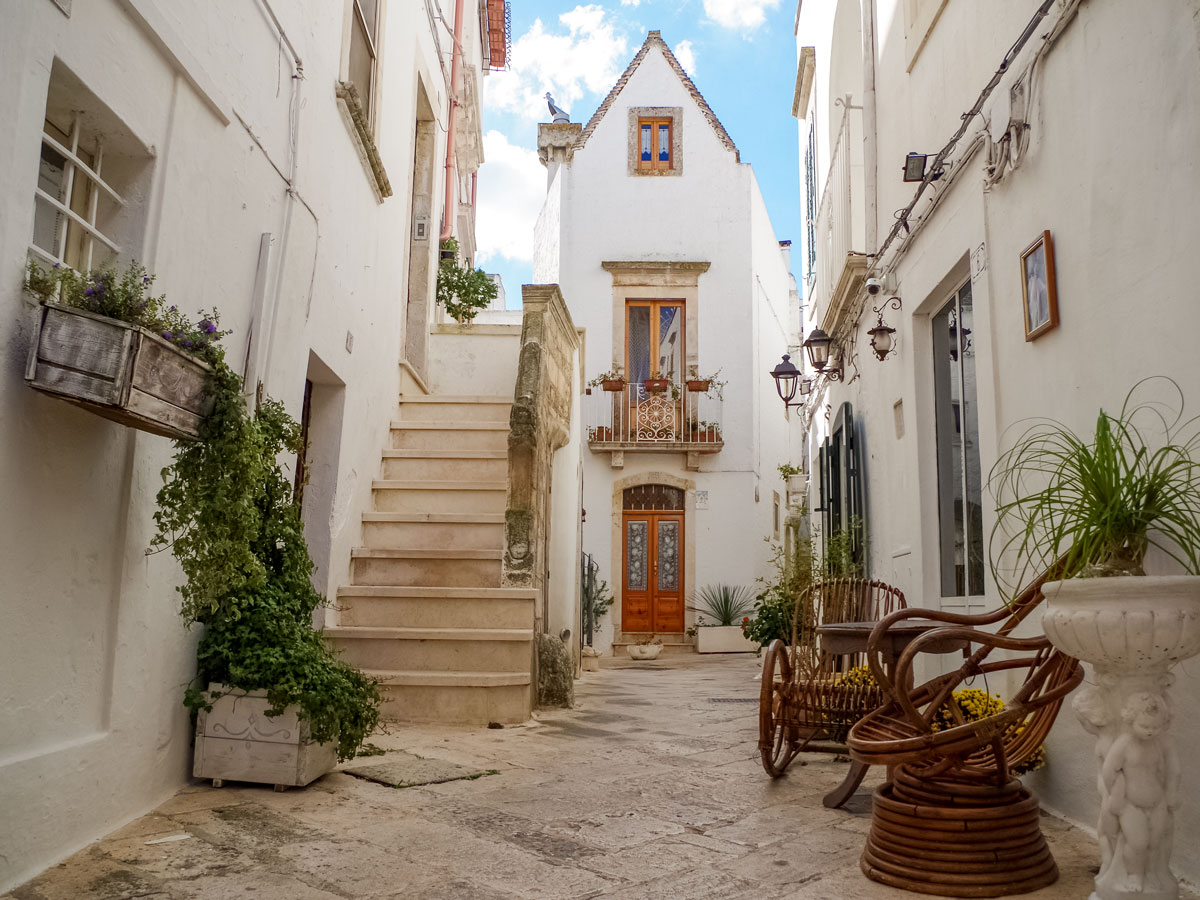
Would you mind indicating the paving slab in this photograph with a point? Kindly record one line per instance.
(649, 789)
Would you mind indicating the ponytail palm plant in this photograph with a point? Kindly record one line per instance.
(1096, 504)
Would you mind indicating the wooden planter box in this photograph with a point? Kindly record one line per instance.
(120, 371)
(238, 741)
(723, 639)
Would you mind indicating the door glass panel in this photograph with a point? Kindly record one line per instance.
(664, 143)
(646, 133)
(636, 552)
(960, 508)
(668, 556)
(670, 343)
(638, 365)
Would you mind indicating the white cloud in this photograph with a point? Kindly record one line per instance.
(631, 2)
(746, 14)
(586, 58)
(512, 185)
(686, 56)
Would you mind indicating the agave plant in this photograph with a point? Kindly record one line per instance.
(724, 603)
(1098, 504)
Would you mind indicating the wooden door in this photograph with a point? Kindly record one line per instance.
(652, 585)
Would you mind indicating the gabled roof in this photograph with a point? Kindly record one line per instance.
(654, 39)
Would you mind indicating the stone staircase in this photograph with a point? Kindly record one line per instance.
(424, 611)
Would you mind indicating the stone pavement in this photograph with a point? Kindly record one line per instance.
(650, 790)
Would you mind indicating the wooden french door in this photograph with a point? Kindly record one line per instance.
(652, 583)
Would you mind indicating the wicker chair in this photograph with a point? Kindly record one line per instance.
(952, 818)
(807, 703)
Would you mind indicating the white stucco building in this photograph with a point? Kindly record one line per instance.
(657, 233)
(287, 163)
(1076, 122)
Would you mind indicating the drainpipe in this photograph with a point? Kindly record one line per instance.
(870, 145)
(452, 127)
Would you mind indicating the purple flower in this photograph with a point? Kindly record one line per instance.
(173, 308)
(207, 327)
(145, 279)
(57, 265)
(188, 344)
(167, 335)
(88, 292)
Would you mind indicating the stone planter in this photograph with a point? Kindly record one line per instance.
(1132, 630)
(120, 371)
(238, 741)
(644, 651)
(797, 491)
(723, 639)
(589, 659)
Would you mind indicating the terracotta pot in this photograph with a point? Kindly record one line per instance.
(698, 385)
(612, 385)
(656, 385)
(602, 433)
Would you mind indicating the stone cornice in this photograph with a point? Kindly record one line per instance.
(657, 271)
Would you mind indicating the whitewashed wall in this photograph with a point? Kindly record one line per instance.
(1110, 171)
(93, 655)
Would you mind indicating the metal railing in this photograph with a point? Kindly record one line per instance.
(634, 415)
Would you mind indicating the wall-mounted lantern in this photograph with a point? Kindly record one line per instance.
(882, 341)
(788, 382)
(914, 166)
(819, 346)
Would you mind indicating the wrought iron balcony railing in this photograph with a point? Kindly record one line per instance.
(635, 418)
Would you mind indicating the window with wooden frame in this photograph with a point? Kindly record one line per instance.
(654, 340)
(654, 143)
(364, 56)
(72, 199)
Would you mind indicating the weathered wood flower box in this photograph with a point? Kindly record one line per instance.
(117, 370)
(238, 741)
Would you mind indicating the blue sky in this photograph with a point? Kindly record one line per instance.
(740, 53)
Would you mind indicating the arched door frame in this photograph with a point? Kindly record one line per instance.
(617, 543)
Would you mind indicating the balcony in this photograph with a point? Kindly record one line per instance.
(675, 420)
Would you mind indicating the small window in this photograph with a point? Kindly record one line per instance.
(72, 199)
(654, 143)
(363, 52)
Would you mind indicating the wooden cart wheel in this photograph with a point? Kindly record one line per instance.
(778, 743)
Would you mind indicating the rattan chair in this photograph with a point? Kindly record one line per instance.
(807, 702)
(953, 819)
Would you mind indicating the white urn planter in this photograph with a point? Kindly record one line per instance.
(723, 639)
(644, 651)
(1132, 630)
(238, 741)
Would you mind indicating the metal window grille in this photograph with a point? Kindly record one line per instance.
(68, 198)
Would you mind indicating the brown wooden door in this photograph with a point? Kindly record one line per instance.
(652, 583)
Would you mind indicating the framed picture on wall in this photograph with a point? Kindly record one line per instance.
(1039, 287)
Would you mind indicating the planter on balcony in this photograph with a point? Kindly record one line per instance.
(656, 385)
(612, 385)
(120, 371)
(698, 385)
(602, 433)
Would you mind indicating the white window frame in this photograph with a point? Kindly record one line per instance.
(359, 20)
(74, 164)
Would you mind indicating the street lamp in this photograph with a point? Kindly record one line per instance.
(788, 382)
(818, 346)
(881, 335)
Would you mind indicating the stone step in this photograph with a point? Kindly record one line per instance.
(439, 496)
(425, 568)
(432, 607)
(449, 435)
(446, 465)
(455, 409)
(433, 531)
(468, 698)
(433, 649)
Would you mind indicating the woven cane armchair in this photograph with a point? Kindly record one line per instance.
(810, 698)
(952, 818)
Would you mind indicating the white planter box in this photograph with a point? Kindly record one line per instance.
(723, 639)
(238, 741)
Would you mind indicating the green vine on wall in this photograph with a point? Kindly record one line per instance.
(226, 512)
(462, 290)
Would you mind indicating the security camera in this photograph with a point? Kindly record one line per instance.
(874, 286)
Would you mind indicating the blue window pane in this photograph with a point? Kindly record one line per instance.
(645, 143)
(664, 143)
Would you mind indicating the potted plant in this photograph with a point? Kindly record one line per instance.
(611, 381)
(104, 342)
(796, 484)
(645, 648)
(726, 607)
(706, 384)
(463, 291)
(656, 385)
(601, 433)
(273, 703)
(1087, 509)
(704, 432)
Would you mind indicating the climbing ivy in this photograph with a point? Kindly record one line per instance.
(226, 512)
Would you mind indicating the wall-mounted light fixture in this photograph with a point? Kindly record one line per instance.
(914, 166)
(788, 382)
(819, 345)
(881, 335)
